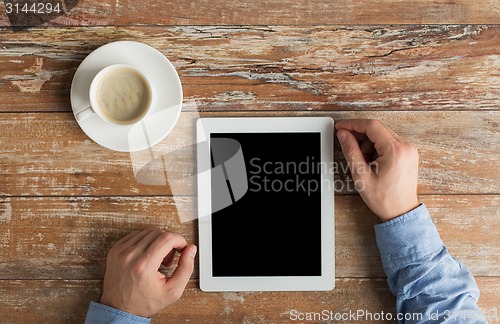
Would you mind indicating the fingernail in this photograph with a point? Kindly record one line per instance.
(193, 252)
(342, 136)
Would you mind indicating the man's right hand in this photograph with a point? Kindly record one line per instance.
(384, 166)
(132, 282)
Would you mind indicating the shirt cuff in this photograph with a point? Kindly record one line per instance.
(99, 313)
(407, 239)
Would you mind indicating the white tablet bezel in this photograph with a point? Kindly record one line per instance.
(323, 125)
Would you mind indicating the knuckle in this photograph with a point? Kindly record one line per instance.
(113, 251)
(350, 152)
(413, 150)
(139, 266)
(125, 256)
(374, 123)
(398, 148)
(405, 150)
(158, 231)
(166, 236)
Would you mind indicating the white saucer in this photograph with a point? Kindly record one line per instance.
(164, 80)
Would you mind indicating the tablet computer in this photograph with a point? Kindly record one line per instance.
(266, 204)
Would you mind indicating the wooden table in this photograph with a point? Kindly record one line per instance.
(65, 200)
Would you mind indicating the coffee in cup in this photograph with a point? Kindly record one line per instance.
(120, 95)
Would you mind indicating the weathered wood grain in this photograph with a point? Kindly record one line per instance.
(370, 295)
(64, 200)
(275, 67)
(26, 301)
(282, 12)
(68, 238)
(47, 154)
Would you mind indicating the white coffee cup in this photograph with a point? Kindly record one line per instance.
(120, 95)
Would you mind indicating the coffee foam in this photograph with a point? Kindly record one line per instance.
(123, 95)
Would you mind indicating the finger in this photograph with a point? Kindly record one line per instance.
(162, 246)
(343, 124)
(373, 129)
(352, 152)
(180, 276)
(137, 238)
(128, 237)
(149, 239)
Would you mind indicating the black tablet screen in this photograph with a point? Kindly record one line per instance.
(274, 228)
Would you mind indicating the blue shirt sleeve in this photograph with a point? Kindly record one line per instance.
(101, 314)
(426, 280)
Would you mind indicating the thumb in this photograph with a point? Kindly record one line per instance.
(352, 152)
(181, 274)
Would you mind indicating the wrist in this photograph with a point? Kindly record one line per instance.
(101, 313)
(105, 300)
(399, 211)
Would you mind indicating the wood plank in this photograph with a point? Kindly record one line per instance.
(464, 224)
(64, 301)
(49, 155)
(282, 12)
(68, 238)
(275, 68)
(23, 301)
